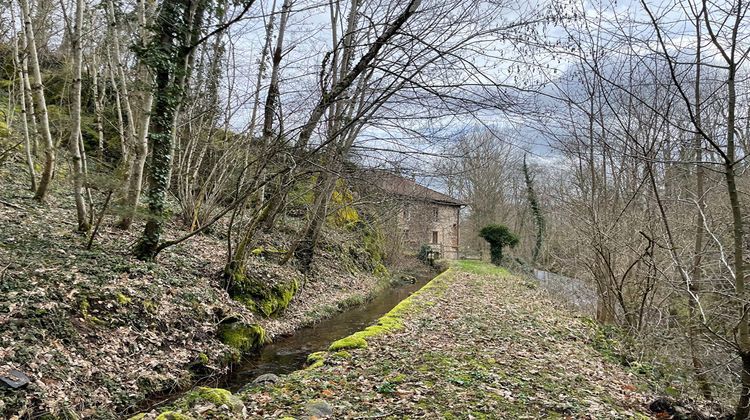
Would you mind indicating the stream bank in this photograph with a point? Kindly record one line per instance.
(289, 353)
(476, 342)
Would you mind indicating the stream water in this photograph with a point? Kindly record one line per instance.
(287, 354)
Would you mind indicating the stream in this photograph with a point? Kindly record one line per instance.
(287, 354)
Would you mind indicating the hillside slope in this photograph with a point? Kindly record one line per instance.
(99, 332)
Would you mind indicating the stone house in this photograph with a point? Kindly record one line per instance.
(423, 216)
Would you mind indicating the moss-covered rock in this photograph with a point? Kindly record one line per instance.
(263, 293)
(213, 403)
(342, 200)
(351, 342)
(173, 415)
(216, 396)
(343, 354)
(316, 360)
(242, 337)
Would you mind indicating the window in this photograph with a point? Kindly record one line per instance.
(407, 213)
(406, 234)
(435, 214)
(434, 237)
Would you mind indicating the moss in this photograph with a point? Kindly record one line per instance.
(316, 357)
(374, 242)
(342, 199)
(317, 364)
(242, 337)
(203, 358)
(479, 267)
(150, 306)
(123, 299)
(261, 298)
(393, 320)
(217, 396)
(316, 360)
(4, 130)
(398, 378)
(343, 354)
(85, 307)
(380, 270)
(173, 415)
(138, 416)
(302, 193)
(351, 342)
(261, 250)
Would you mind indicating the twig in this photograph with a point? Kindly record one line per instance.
(378, 416)
(15, 206)
(7, 151)
(99, 220)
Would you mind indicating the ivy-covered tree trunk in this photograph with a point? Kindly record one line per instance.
(496, 254)
(498, 236)
(179, 23)
(160, 137)
(535, 211)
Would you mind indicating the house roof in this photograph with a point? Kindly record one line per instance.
(409, 188)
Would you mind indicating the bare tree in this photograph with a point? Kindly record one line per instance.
(41, 103)
(76, 153)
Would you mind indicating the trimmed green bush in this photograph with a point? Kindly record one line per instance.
(498, 236)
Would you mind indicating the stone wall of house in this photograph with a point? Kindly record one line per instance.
(432, 224)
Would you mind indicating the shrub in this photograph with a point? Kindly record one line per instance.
(425, 254)
(498, 237)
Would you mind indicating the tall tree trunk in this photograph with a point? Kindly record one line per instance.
(160, 136)
(697, 270)
(263, 209)
(138, 143)
(743, 405)
(41, 104)
(304, 249)
(98, 93)
(25, 116)
(262, 66)
(118, 112)
(28, 95)
(75, 121)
